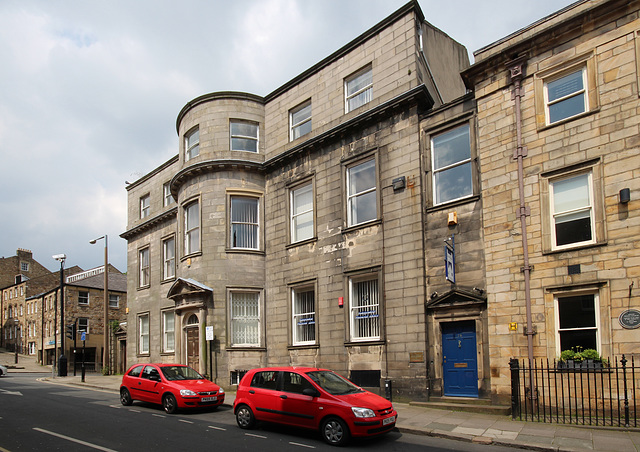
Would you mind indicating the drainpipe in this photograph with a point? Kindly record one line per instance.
(516, 71)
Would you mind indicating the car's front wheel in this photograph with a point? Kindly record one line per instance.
(169, 404)
(334, 431)
(245, 417)
(125, 397)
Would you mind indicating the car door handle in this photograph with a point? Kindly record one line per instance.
(252, 391)
(283, 396)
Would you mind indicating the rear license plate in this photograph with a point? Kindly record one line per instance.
(209, 399)
(389, 420)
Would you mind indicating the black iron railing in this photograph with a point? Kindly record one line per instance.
(586, 393)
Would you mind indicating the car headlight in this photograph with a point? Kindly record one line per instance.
(363, 412)
(187, 393)
(221, 391)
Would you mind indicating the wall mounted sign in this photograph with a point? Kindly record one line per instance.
(450, 260)
(630, 319)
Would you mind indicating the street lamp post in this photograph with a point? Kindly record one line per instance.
(62, 361)
(105, 343)
(15, 345)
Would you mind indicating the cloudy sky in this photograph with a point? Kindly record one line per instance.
(90, 91)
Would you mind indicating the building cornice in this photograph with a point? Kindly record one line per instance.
(150, 223)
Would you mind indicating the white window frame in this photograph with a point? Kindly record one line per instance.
(365, 91)
(80, 299)
(354, 196)
(372, 310)
(247, 313)
(144, 267)
(192, 234)
(191, 148)
(168, 331)
(297, 125)
(579, 92)
(596, 306)
(301, 216)
(145, 206)
(590, 208)
(168, 258)
(235, 137)
(166, 193)
(302, 316)
(452, 166)
(252, 226)
(143, 334)
(83, 325)
(114, 301)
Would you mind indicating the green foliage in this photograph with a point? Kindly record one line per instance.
(578, 355)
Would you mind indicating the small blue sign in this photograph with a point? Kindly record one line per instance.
(83, 336)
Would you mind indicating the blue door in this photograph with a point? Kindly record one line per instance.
(459, 359)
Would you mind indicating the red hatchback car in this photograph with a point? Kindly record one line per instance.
(312, 398)
(174, 386)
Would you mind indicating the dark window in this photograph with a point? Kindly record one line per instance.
(366, 378)
(266, 380)
(293, 382)
(577, 322)
(135, 372)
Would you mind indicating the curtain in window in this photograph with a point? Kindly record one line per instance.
(144, 334)
(192, 228)
(169, 331)
(304, 318)
(365, 317)
(245, 318)
(572, 210)
(302, 213)
(244, 222)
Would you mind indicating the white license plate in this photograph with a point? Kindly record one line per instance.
(209, 399)
(389, 420)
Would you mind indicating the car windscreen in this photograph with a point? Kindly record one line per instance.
(172, 373)
(333, 383)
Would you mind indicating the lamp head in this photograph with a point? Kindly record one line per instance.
(59, 257)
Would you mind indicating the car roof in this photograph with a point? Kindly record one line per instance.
(293, 368)
(159, 365)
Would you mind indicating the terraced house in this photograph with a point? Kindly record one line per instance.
(379, 214)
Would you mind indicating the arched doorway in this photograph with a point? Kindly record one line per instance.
(192, 335)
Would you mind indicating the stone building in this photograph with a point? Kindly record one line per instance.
(30, 310)
(396, 214)
(558, 143)
(291, 226)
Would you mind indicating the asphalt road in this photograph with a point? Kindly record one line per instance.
(39, 416)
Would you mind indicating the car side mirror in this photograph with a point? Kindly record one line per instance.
(311, 392)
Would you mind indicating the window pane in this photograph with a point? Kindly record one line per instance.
(573, 228)
(192, 144)
(577, 312)
(567, 108)
(362, 177)
(301, 114)
(359, 82)
(244, 144)
(245, 318)
(565, 86)
(571, 193)
(301, 121)
(363, 208)
(453, 183)
(451, 147)
(304, 321)
(302, 213)
(245, 129)
(364, 309)
(244, 222)
(578, 338)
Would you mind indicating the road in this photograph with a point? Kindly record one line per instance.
(36, 415)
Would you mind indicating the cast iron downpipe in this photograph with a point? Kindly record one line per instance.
(516, 72)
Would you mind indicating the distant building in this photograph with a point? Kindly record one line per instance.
(31, 322)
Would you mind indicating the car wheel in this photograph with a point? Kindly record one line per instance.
(1, 372)
(245, 417)
(125, 397)
(334, 431)
(169, 404)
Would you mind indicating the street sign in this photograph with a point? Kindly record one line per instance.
(450, 261)
(209, 333)
(83, 336)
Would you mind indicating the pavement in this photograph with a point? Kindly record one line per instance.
(482, 428)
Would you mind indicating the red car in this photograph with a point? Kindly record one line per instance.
(174, 386)
(312, 398)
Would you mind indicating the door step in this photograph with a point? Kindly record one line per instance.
(467, 404)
